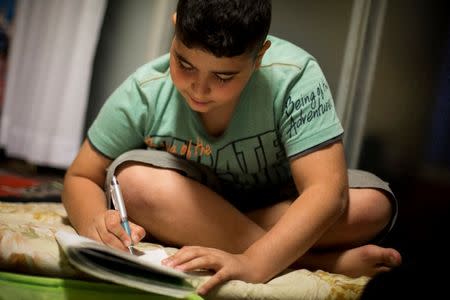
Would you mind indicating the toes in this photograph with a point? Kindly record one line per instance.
(392, 257)
(380, 269)
(381, 257)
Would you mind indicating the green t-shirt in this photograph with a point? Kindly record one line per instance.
(285, 110)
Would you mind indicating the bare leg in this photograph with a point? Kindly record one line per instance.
(344, 249)
(179, 211)
(368, 213)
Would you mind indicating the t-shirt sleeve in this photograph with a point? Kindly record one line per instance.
(308, 119)
(121, 122)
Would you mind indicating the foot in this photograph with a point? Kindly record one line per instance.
(367, 260)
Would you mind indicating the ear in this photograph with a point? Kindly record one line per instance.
(174, 18)
(260, 54)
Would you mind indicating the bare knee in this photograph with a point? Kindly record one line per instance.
(145, 187)
(378, 207)
(370, 211)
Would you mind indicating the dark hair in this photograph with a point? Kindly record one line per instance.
(223, 27)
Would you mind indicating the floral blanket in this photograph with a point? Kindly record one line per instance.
(28, 246)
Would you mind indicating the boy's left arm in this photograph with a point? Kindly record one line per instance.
(321, 180)
(322, 184)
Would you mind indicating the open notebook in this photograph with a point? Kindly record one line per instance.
(142, 271)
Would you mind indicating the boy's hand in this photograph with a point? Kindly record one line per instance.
(108, 229)
(226, 266)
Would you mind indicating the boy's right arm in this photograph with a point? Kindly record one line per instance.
(85, 201)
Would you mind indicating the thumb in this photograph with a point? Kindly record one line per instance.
(137, 232)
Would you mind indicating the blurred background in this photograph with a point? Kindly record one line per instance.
(387, 63)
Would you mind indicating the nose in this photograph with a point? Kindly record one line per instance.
(200, 86)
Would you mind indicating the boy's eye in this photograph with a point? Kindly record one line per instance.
(185, 66)
(224, 78)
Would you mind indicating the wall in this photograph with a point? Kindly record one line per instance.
(319, 27)
(128, 39)
(403, 93)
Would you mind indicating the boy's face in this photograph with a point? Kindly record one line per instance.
(207, 82)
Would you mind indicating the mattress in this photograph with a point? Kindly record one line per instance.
(33, 266)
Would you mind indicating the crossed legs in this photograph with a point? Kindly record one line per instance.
(179, 211)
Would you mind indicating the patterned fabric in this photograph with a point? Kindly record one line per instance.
(28, 245)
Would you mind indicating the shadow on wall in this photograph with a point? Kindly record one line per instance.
(422, 187)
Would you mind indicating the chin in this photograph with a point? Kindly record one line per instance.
(199, 109)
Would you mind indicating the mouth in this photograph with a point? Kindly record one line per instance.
(198, 102)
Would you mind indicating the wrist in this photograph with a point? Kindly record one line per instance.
(261, 270)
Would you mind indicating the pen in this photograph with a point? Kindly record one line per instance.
(117, 199)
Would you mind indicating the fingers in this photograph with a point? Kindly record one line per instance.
(112, 233)
(104, 222)
(218, 278)
(192, 257)
(113, 225)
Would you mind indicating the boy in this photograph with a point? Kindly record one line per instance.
(244, 158)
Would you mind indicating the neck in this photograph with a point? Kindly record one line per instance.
(216, 122)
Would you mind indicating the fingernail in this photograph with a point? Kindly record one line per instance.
(135, 238)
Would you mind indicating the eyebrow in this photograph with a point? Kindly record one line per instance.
(227, 73)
